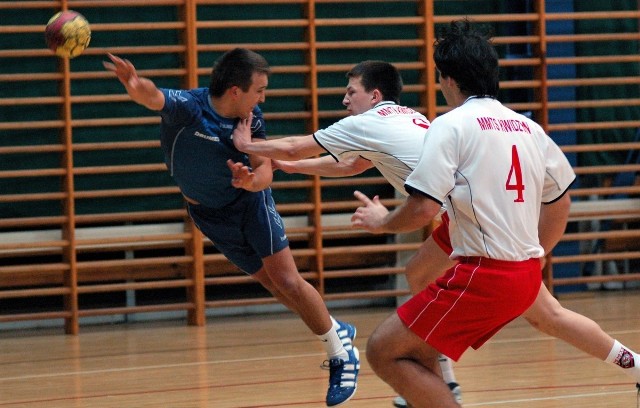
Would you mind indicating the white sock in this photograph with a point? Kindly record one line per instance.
(336, 326)
(446, 366)
(333, 345)
(625, 359)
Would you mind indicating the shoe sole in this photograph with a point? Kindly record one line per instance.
(400, 402)
(347, 400)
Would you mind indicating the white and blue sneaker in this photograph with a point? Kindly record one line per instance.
(400, 402)
(343, 377)
(347, 332)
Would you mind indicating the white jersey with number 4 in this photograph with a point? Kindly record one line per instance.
(389, 135)
(492, 168)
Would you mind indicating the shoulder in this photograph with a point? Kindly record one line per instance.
(341, 126)
(179, 95)
(257, 114)
(449, 118)
(258, 124)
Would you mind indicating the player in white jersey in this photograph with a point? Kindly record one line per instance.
(379, 132)
(546, 314)
(373, 134)
(493, 168)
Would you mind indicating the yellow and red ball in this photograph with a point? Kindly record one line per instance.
(68, 33)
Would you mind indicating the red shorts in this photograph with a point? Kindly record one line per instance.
(471, 302)
(441, 234)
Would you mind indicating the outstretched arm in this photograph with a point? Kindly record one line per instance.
(286, 148)
(324, 166)
(142, 90)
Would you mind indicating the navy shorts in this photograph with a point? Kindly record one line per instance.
(246, 231)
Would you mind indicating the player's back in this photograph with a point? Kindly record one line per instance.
(498, 159)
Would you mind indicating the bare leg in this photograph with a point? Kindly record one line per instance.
(427, 265)
(280, 276)
(546, 314)
(409, 365)
(424, 267)
(550, 317)
(264, 279)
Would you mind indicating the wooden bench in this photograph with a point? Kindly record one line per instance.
(132, 238)
(619, 211)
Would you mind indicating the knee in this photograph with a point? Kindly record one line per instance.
(282, 281)
(278, 285)
(545, 319)
(290, 285)
(535, 323)
(377, 351)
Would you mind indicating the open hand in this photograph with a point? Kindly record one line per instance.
(241, 176)
(124, 70)
(242, 133)
(371, 215)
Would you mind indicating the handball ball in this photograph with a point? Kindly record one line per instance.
(68, 34)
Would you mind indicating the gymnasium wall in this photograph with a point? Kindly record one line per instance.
(92, 225)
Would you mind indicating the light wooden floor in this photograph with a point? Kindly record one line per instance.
(273, 361)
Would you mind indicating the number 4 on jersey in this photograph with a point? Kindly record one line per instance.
(515, 173)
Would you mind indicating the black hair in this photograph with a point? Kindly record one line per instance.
(236, 68)
(466, 55)
(379, 75)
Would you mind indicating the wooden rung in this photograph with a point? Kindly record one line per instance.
(145, 285)
(33, 292)
(135, 309)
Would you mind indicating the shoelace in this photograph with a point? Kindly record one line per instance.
(338, 379)
(333, 379)
(326, 365)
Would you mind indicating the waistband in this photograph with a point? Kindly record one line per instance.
(496, 263)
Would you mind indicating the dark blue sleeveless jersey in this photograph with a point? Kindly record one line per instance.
(197, 143)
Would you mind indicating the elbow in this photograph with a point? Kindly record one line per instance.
(360, 167)
(426, 215)
(296, 148)
(346, 171)
(354, 166)
(422, 210)
(292, 154)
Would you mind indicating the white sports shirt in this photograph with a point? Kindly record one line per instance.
(389, 135)
(492, 168)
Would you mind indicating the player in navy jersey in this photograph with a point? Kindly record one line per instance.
(228, 195)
